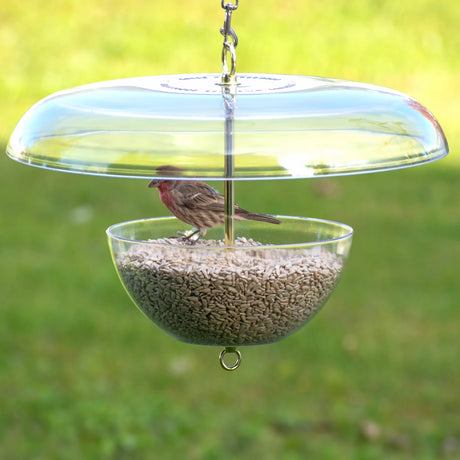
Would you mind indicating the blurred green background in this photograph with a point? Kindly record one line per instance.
(376, 375)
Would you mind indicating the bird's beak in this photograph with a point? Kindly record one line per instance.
(155, 183)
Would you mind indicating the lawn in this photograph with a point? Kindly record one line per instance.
(374, 376)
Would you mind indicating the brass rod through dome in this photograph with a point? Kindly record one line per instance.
(229, 166)
(228, 81)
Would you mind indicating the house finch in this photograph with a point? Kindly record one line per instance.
(196, 203)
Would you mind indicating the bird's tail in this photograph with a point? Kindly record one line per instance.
(260, 217)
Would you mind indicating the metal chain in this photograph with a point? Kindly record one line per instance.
(229, 45)
(229, 5)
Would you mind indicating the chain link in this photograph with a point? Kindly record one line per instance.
(229, 6)
(229, 45)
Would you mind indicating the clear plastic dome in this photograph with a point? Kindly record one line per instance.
(284, 126)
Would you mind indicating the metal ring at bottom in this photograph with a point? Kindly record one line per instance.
(230, 350)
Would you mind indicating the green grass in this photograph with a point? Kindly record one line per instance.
(85, 375)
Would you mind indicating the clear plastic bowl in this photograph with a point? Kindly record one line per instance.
(246, 294)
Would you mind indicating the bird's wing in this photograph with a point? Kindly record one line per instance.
(200, 195)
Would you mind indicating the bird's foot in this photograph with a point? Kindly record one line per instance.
(191, 235)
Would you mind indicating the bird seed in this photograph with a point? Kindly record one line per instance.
(210, 295)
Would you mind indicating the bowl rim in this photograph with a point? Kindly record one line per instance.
(348, 229)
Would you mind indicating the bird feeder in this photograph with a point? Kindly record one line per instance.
(249, 283)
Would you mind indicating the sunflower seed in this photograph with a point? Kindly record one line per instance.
(219, 297)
